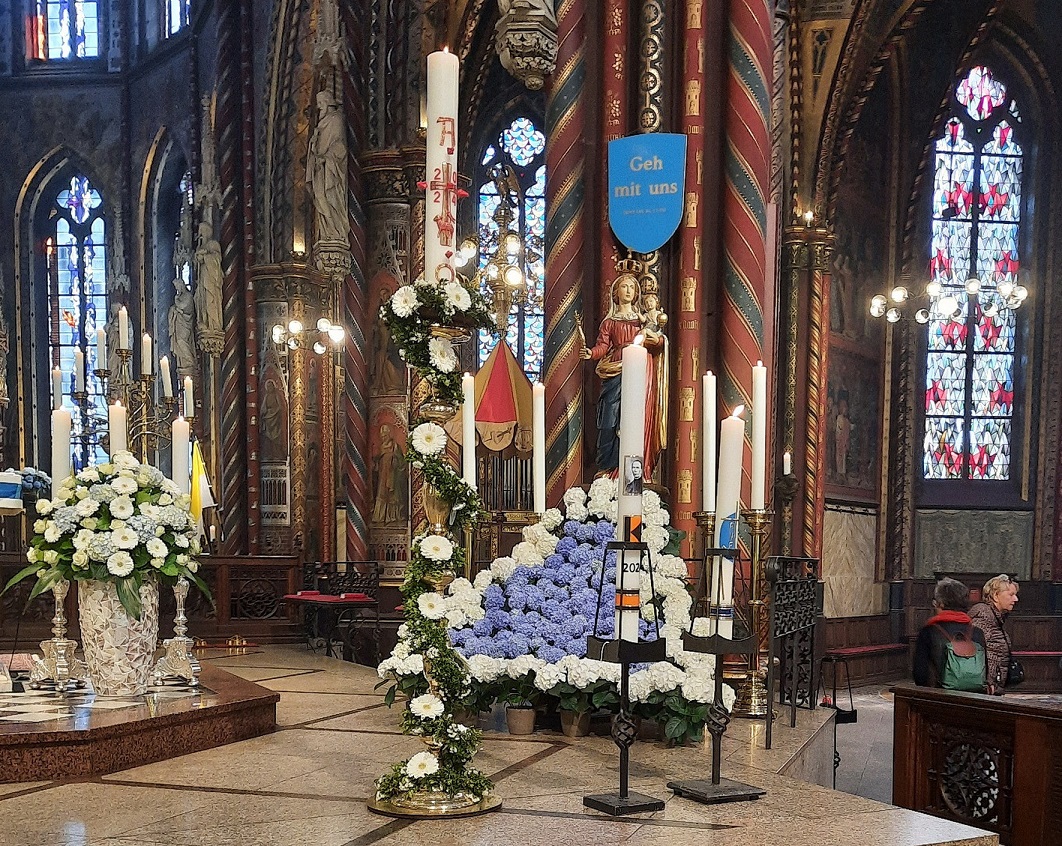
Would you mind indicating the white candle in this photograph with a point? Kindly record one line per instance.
(57, 388)
(538, 444)
(440, 166)
(189, 400)
(758, 500)
(181, 434)
(787, 463)
(116, 420)
(146, 364)
(79, 371)
(727, 511)
(167, 382)
(468, 430)
(708, 435)
(213, 533)
(629, 502)
(101, 349)
(124, 342)
(61, 423)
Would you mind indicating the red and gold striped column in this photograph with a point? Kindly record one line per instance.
(819, 252)
(566, 236)
(747, 158)
(615, 114)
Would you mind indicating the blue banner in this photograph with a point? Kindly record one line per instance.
(646, 188)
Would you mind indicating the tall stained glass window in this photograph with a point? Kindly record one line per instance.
(177, 12)
(520, 150)
(970, 362)
(76, 260)
(60, 30)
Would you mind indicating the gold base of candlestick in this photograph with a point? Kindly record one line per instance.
(429, 803)
(753, 698)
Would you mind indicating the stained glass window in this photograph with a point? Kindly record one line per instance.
(514, 163)
(974, 258)
(76, 260)
(62, 30)
(177, 12)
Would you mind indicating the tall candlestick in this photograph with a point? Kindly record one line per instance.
(79, 371)
(124, 342)
(728, 508)
(440, 160)
(116, 420)
(468, 430)
(629, 501)
(759, 437)
(101, 349)
(61, 424)
(708, 435)
(147, 365)
(167, 382)
(189, 400)
(181, 434)
(787, 463)
(57, 388)
(538, 444)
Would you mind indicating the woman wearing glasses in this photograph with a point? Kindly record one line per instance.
(998, 598)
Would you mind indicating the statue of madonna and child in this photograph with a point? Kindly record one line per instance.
(631, 313)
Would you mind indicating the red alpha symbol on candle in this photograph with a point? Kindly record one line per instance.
(444, 184)
(447, 136)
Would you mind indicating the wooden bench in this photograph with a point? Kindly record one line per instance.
(1042, 671)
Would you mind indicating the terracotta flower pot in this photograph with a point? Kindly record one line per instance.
(520, 720)
(575, 724)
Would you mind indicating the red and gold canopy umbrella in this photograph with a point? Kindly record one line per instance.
(503, 404)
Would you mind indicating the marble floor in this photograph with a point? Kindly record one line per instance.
(307, 784)
(865, 747)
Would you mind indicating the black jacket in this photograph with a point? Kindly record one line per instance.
(931, 650)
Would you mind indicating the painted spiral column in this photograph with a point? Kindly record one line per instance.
(747, 160)
(820, 250)
(614, 117)
(566, 236)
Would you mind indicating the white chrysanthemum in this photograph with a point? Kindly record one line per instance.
(120, 564)
(83, 538)
(457, 295)
(86, 508)
(431, 606)
(125, 538)
(429, 438)
(124, 485)
(45, 506)
(52, 533)
(426, 706)
(437, 548)
(442, 355)
(121, 507)
(157, 548)
(422, 764)
(125, 460)
(404, 301)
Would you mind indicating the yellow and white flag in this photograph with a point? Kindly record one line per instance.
(202, 495)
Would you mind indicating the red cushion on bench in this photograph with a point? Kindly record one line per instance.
(858, 651)
(1032, 653)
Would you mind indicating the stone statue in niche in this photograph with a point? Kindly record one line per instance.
(114, 361)
(182, 329)
(326, 171)
(208, 282)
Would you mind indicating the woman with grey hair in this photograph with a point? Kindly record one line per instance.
(947, 636)
(998, 598)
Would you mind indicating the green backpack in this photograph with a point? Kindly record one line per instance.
(964, 662)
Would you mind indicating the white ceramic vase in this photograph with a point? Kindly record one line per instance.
(118, 648)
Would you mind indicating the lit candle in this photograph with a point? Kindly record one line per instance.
(708, 435)
(61, 423)
(538, 444)
(468, 430)
(79, 371)
(727, 510)
(146, 364)
(787, 463)
(759, 437)
(167, 383)
(629, 501)
(181, 434)
(101, 349)
(57, 388)
(124, 342)
(189, 400)
(117, 428)
(440, 166)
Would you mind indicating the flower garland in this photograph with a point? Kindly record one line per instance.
(412, 312)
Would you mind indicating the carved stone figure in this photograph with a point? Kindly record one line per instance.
(326, 171)
(526, 39)
(182, 328)
(208, 281)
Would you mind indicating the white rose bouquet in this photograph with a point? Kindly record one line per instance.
(121, 522)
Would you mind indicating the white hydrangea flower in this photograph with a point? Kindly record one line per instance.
(121, 507)
(429, 438)
(404, 301)
(437, 548)
(426, 706)
(577, 511)
(441, 353)
(458, 296)
(422, 764)
(603, 487)
(552, 519)
(431, 606)
(503, 568)
(120, 564)
(527, 555)
(576, 496)
(483, 580)
(656, 537)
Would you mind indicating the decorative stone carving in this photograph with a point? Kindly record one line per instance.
(182, 328)
(208, 191)
(208, 282)
(328, 42)
(326, 171)
(526, 40)
(117, 278)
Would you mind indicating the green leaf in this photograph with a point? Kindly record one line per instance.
(389, 697)
(129, 596)
(24, 573)
(675, 728)
(44, 583)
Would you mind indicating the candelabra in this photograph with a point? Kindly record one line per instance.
(59, 665)
(941, 300)
(296, 336)
(178, 662)
(753, 698)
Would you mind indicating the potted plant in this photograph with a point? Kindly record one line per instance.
(521, 700)
(119, 529)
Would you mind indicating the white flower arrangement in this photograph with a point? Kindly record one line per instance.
(443, 357)
(422, 764)
(429, 438)
(404, 301)
(426, 706)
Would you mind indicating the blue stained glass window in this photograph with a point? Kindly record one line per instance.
(970, 363)
(520, 147)
(76, 260)
(63, 30)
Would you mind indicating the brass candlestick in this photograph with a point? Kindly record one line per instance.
(178, 662)
(753, 698)
(706, 523)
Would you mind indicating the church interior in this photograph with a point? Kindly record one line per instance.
(461, 418)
